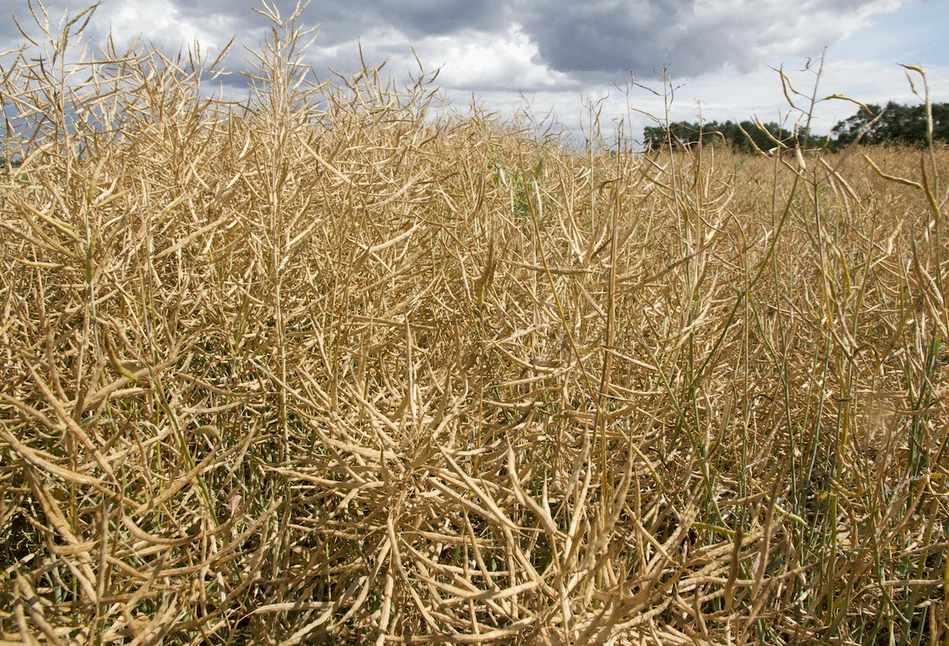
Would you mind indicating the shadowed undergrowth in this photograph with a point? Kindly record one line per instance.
(327, 367)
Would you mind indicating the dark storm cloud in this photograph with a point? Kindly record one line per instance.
(606, 36)
(690, 36)
(421, 18)
(347, 21)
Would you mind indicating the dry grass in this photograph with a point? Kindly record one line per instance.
(326, 369)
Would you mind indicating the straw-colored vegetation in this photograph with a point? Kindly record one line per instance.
(328, 367)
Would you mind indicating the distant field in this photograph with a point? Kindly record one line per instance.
(331, 370)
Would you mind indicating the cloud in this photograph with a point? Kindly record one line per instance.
(558, 53)
(347, 21)
(164, 22)
(516, 44)
(692, 37)
(10, 36)
(426, 18)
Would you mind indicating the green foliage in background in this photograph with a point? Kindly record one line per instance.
(895, 124)
(744, 137)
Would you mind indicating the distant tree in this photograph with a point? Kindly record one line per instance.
(742, 137)
(898, 125)
(654, 137)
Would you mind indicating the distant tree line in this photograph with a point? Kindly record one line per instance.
(897, 125)
(741, 137)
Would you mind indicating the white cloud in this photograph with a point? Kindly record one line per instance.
(160, 21)
(475, 61)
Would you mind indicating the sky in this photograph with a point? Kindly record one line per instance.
(556, 58)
